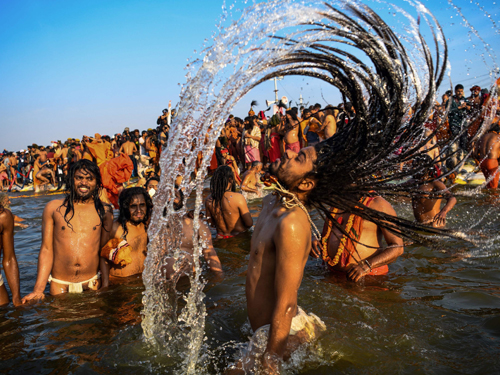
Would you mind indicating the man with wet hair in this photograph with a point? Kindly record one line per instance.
(280, 247)
(131, 227)
(9, 261)
(73, 231)
(227, 210)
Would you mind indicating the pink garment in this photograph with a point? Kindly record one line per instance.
(4, 176)
(295, 147)
(251, 154)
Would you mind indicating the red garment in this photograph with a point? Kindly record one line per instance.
(114, 173)
(295, 147)
(213, 162)
(489, 167)
(274, 151)
(223, 236)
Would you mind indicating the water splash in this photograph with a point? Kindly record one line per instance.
(315, 39)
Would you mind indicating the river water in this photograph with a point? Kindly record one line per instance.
(437, 312)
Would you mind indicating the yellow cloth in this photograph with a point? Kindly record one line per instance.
(99, 151)
(78, 287)
(1, 280)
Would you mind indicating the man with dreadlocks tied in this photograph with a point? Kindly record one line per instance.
(129, 233)
(73, 231)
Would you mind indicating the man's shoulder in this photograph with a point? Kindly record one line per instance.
(5, 215)
(380, 204)
(293, 220)
(55, 203)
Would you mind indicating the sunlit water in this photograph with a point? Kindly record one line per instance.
(239, 56)
(438, 311)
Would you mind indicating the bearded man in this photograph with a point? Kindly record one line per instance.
(73, 231)
(131, 226)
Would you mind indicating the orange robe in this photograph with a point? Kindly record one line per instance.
(347, 246)
(114, 173)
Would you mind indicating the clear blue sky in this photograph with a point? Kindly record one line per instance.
(69, 68)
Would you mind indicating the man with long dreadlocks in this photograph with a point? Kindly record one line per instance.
(73, 231)
(130, 230)
(226, 209)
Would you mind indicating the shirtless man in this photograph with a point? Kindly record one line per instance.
(227, 210)
(130, 149)
(426, 208)
(291, 132)
(45, 173)
(280, 246)
(135, 212)
(487, 153)
(74, 229)
(209, 253)
(329, 124)
(250, 183)
(9, 261)
(368, 257)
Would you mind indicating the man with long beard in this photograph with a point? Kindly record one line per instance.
(73, 231)
(131, 230)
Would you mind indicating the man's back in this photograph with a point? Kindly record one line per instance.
(128, 148)
(235, 216)
(489, 146)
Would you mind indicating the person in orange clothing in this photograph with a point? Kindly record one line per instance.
(487, 153)
(364, 255)
(114, 173)
(98, 149)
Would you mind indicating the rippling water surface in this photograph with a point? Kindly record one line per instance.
(438, 311)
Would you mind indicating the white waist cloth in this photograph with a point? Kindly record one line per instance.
(78, 287)
(309, 323)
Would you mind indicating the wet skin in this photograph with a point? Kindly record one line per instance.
(488, 147)
(235, 216)
(428, 210)
(280, 246)
(136, 237)
(72, 253)
(9, 261)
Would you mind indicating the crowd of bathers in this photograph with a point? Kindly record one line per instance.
(253, 153)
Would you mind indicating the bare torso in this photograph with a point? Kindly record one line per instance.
(230, 222)
(330, 126)
(260, 281)
(292, 133)
(137, 238)
(76, 251)
(128, 148)
(489, 146)
(371, 236)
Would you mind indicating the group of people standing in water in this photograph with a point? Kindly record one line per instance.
(85, 248)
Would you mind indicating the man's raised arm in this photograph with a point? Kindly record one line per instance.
(46, 256)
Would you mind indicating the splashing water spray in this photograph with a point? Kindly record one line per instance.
(388, 76)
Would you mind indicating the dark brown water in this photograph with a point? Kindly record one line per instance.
(437, 312)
